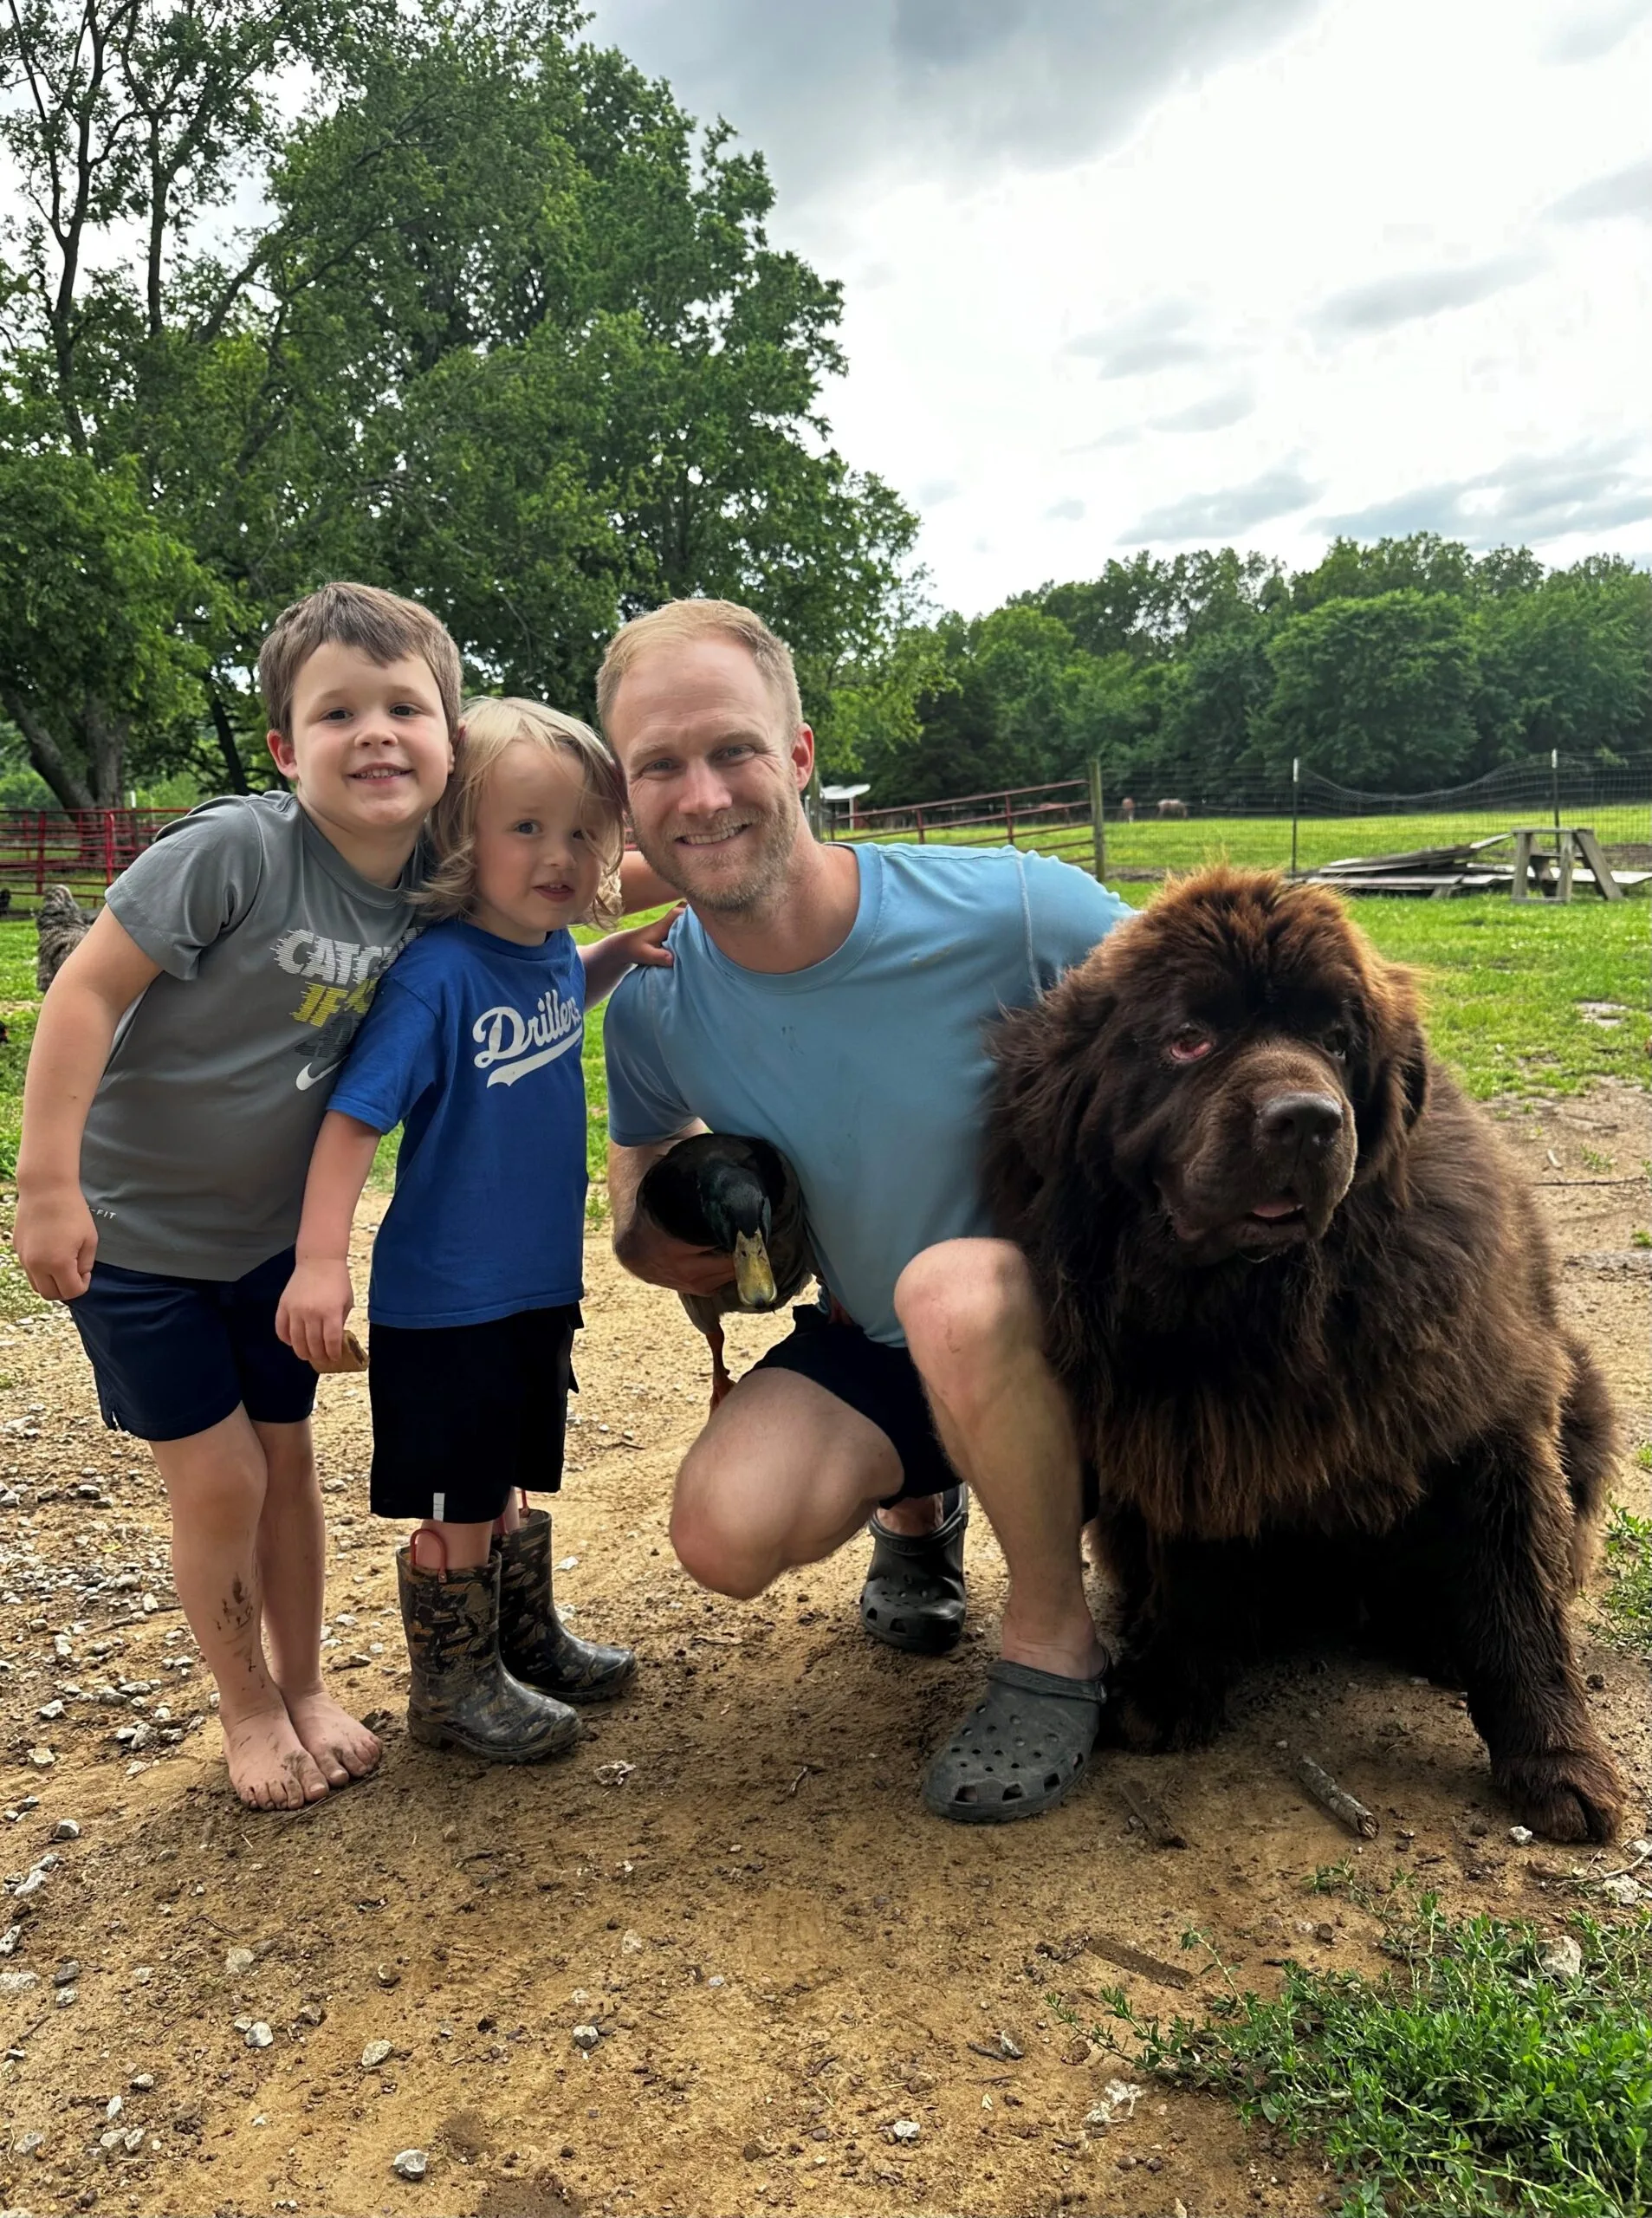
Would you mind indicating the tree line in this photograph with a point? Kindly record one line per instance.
(1405, 665)
(488, 318)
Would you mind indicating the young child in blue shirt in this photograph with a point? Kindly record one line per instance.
(472, 1045)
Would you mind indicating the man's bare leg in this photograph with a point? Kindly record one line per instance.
(292, 1564)
(972, 1322)
(783, 1475)
(217, 1481)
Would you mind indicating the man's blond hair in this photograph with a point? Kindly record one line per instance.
(681, 620)
(491, 727)
(382, 625)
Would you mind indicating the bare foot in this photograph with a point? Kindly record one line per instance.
(340, 1744)
(270, 1767)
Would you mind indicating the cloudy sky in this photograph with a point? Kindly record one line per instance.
(1166, 272)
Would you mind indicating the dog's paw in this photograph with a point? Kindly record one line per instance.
(1564, 1793)
(1157, 1718)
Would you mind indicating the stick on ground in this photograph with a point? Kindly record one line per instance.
(1337, 1800)
(1150, 1814)
(1133, 1959)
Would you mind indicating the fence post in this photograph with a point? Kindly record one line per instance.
(1554, 792)
(919, 815)
(1009, 821)
(1097, 819)
(1296, 788)
(40, 854)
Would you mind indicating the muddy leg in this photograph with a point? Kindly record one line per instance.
(1509, 1586)
(215, 1482)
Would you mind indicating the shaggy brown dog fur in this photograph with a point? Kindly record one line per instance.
(1306, 1308)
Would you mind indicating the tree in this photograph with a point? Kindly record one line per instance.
(97, 608)
(1375, 692)
(509, 336)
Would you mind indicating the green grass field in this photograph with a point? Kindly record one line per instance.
(1472, 2078)
(1263, 842)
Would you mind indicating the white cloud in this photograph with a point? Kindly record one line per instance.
(1208, 268)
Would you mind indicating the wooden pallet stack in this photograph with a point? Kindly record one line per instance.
(1539, 862)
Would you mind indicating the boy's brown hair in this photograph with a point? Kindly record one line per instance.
(382, 626)
(699, 619)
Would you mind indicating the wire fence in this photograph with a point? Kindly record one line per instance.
(1298, 821)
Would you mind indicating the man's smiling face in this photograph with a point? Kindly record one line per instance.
(713, 773)
(369, 752)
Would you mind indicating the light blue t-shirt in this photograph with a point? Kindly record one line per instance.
(868, 1070)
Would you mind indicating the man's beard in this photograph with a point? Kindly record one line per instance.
(769, 840)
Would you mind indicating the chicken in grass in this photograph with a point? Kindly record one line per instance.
(741, 1197)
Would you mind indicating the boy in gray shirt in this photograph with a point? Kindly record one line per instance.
(179, 1074)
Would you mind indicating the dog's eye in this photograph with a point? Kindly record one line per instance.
(1336, 1041)
(1187, 1043)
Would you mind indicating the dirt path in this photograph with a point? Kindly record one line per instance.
(782, 1955)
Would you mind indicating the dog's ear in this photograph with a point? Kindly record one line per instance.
(1397, 1090)
(1041, 1092)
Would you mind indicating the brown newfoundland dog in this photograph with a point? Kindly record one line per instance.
(1306, 1308)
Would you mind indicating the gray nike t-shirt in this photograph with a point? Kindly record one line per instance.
(269, 945)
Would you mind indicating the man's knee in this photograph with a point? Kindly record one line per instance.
(965, 1306)
(715, 1544)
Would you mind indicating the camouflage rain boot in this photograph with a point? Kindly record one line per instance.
(461, 1696)
(534, 1642)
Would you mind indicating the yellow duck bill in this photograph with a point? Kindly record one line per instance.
(754, 1275)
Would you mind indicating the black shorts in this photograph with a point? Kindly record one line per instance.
(174, 1357)
(881, 1383)
(463, 1414)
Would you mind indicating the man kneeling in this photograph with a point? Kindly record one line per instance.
(832, 1000)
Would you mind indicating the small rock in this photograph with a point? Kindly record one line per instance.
(238, 1960)
(67, 1974)
(1561, 1958)
(135, 2139)
(569, 1563)
(141, 2082)
(1621, 1889)
(613, 1774)
(410, 2164)
(374, 2054)
(1076, 2052)
(18, 1983)
(259, 2035)
(311, 2014)
(387, 1975)
(1522, 1836)
(66, 1829)
(632, 1944)
(904, 2128)
(9, 1939)
(1324, 1931)
(117, 2104)
(27, 2143)
(50, 1710)
(1009, 2047)
(66, 1997)
(41, 1758)
(586, 2037)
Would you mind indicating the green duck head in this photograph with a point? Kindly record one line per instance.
(736, 1207)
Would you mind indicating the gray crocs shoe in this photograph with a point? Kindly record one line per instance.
(914, 1598)
(1018, 1752)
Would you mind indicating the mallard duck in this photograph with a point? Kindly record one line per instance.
(740, 1196)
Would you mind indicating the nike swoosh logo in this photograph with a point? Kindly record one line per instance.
(507, 1073)
(308, 1077)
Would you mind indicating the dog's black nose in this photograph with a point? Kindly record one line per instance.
(1300, 1120)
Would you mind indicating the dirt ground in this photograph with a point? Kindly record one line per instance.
(732, 1879)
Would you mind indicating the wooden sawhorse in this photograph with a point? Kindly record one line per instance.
(1573, 844)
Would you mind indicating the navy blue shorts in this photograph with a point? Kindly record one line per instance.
(174, 1357)
(464, 1415)
(880, 1384)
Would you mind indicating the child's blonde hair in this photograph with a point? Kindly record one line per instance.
(489, 726)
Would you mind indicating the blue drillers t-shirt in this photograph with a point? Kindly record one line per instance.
(473, 1044)
(869, 1071)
